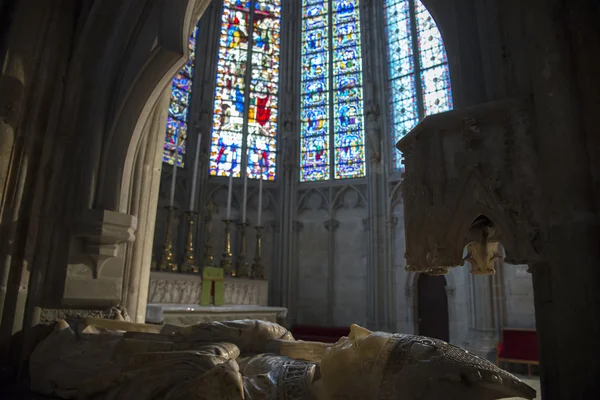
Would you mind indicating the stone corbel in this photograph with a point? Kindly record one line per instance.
(297, 226)
(331, 224)
(274, 226)
(366, 223)
(392, 221)
(483, 254)
(450, 291)
(102, 231)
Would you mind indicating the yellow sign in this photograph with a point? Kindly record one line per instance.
(213, 287)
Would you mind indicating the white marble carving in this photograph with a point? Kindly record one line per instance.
(169, 288)
(188, 314)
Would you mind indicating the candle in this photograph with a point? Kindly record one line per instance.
(245, 196)
(260, 197)
(174, 177)
(229, 193)
(195, 175)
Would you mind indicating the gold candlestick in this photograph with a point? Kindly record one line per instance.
(227, 256)
(189, 265)
(209, 260)
(258, 270)
(167, 264)
(242, 267)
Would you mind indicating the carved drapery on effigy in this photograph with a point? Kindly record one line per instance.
(471, 181)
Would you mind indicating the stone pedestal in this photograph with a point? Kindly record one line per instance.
(483, 334)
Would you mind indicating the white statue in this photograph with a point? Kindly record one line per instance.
(251, 360)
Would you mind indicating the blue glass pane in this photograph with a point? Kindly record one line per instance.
(348, 117)
(349, 162)
(347, 60)
(315, 66)
(176, 130)
(437, 95)
(314, 157)
(315, 41)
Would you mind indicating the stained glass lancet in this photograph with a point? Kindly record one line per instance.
(177, 121)
(245, 106)
(419, 79)
(331, 91)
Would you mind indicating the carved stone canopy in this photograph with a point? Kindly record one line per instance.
(471, 182)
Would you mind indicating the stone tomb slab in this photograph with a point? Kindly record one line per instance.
(189, 314)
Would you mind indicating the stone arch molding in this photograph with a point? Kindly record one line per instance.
(158, 50)
(116, 100)
(313, 199)
(350, 196)
(269, 199)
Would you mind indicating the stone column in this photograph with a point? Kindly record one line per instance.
(331, 225)
(283, 279)
(31, 79)
(567, 280)
(485, 317)
(144, 206)
(380, 270)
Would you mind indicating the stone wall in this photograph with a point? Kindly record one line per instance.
(332, 260)
(520, 311)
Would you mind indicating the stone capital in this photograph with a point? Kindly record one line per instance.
(297, 226)
(450, 291)
(274, 226)
(331, 224)
(392, 221)
(366, 223)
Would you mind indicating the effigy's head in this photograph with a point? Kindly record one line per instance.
(384, 366)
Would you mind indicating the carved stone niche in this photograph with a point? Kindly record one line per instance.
(471, 181)
(97, 258)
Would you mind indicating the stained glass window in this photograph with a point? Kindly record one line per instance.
(244, 129)
(177, 121)
(331, 91)
(418, 67)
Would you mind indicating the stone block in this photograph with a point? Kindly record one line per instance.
(520, 286)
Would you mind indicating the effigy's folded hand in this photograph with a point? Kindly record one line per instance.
(223, 382)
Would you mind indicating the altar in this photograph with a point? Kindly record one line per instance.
(175, 299)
